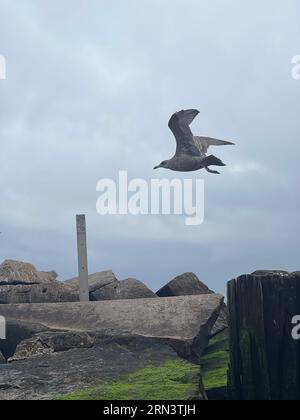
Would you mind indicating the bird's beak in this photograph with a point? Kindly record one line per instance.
(156, 167)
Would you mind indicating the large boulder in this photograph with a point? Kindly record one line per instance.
(105, 286)
(96, 281)
(186, 284)
(185, 321)
(126, 289)
(21, 282)
(18, 272)
(38, 293)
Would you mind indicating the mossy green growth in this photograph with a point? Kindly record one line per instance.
(174, 380)
(214, 362)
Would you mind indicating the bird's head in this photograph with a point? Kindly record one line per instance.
(163, 164)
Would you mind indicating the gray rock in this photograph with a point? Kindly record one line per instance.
(38, 293)
(8, 386)
(46, 343)
(55, 374)
(96, 280)
(17, 331)
(185, 322)
(2, 359)
(17, 272)
(53, 273)
(126, 289)
(186, 284)
(102, 286)
(221, 323)
(105, 286)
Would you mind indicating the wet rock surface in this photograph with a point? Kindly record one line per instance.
(61, 373)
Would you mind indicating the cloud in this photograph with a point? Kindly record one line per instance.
(244, 168)
(90, 95)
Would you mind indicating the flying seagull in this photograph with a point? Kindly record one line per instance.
(191, 152)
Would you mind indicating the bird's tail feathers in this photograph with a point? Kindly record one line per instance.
(212, 161)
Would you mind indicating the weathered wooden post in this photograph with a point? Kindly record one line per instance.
(82, 259)
(265, 357)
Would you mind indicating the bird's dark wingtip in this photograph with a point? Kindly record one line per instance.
(194, 111)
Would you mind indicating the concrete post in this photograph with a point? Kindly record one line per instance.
(2, 328)
(82, 259)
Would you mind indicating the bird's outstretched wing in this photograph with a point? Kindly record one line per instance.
(179, 124)
(204, 143)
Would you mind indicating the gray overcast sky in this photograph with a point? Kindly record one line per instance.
(90, 87)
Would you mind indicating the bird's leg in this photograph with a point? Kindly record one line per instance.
(212, 172)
